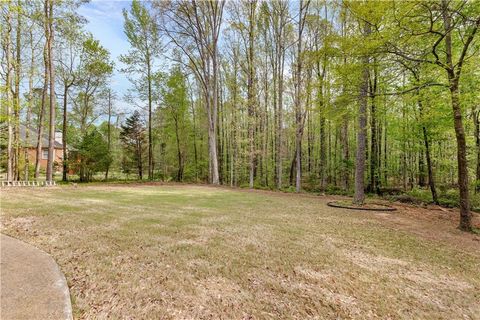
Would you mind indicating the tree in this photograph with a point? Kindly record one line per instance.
(299, 113)
(143, 35)
(94, 70)
(175, 100)
(6, 44)
(278, 14)
(359, 197)
(451, 28)
(110, 113)
(133, 137)
(93, 154)
(49, 36)
(194, 28)
(70, 47)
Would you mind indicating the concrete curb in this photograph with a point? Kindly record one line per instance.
(26, 293)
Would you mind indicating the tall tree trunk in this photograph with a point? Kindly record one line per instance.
(29, 108)
(195, 152)
(345, 153)
(109, 131)
(213, 115)
(374, 179)
(279, 145)
(431, 178)
(251, 91)
(179, 152)
(298, 87)
(16, 97)
(465, 214)
(476, 121)
(10, 151)
(421, 169)
(359, 197)
(150, 138)
(41, 115)
(454, 79)
(323, 142)
(64, 134)
(51, 67)
(139, 160)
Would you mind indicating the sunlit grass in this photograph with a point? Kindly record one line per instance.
(202, 252)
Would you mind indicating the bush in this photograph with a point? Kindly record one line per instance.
(336, 190)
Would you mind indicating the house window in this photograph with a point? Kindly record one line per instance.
(45, 154)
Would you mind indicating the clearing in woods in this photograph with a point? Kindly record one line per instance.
(180, 251)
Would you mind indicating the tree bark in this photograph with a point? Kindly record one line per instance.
(431, 178)
(64, 134)
(374, 178)
(465, 214)
(41, 115)
(10, 151)
(359, 197)
(51, 67)
(109, 130)
(251, 91)
(179, 152)
(476, 121)
(16, 97)
(454, 80)
(150, 138)
(299, 116)
(29, 108)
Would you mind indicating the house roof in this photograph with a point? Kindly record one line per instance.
(32, 138)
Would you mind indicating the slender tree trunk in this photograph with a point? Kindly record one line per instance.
(476, 121)
(374, 180)
(41, 115)
(195, 152)
(212, 130)
(421, 169)
(109, 131)
(298, 88)
(431, 178)
(266, 123)
(345, 154)
(279, 146)
(139, 160)
(29, 109)
(179, 152)
(323, 137)
(251, 92)
(16, 98)
(51, 67)
(10, 151)
(150, 140)
(64, 133)
(385, 155)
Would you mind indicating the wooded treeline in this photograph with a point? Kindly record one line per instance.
(329, 96)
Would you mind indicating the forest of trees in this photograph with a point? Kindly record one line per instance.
(347, 97)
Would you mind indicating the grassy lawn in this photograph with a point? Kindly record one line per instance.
(183, 252)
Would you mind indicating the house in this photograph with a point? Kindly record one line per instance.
(31, 145)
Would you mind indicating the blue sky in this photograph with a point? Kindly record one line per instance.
(105, 22)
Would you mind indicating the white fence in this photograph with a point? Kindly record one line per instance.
(27, 183)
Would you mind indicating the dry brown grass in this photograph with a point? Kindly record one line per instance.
(192, 252)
